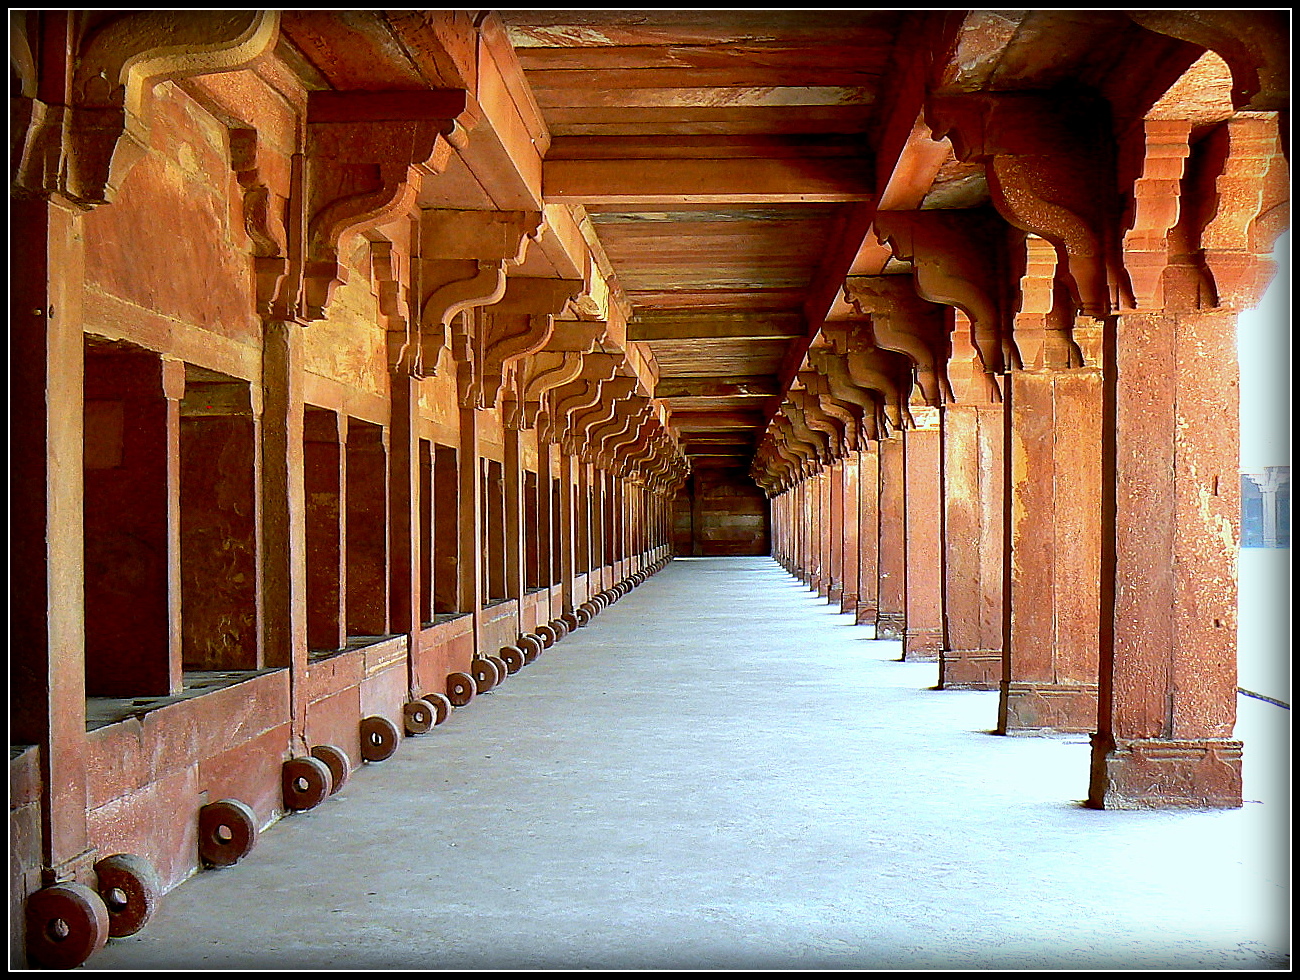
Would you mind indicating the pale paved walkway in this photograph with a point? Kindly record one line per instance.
(721, 772)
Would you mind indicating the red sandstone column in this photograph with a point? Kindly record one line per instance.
(835, 530)
(973, 488)
(891, 609)
(1168, 679)
(403, 523)
(923, 538)
(868, 535)
(849, 559)
(47, 677)
(1050, 670)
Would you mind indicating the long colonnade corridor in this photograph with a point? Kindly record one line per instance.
(723, 772)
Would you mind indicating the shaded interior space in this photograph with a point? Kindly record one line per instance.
(600, 812)
(716, 489)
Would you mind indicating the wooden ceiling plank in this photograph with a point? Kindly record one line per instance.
(668, 181)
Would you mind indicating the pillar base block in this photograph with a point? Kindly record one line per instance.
(1029, 706)
(922, 646)
(1158, 773)
(970, 670)
(866, 615)
(849, 602)
(890, 626)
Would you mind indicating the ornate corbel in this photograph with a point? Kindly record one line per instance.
(578, 395)
(833, 366)
(582, 423)
(903, 322)
(519, 324)
(1050, 162)
(1246, 211)
(367, 153)
(959, 259)
(819, 420)
(82, 151)
(1044, 322)
(463, 259)
(847, 414)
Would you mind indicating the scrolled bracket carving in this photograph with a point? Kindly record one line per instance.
(1050, 163)
(367, 153)
(904, 322)
(959, 259)
(105, 126)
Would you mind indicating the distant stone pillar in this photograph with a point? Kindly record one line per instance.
(923, 538)
(868, 535)
(324, 442)
(891, 611)
(850, 560)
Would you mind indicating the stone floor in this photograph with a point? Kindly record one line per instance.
(721, 772)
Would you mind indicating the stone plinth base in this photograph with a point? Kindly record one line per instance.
(1026, 706)
(1158, 773)
(922, 645)
(970, 670)
(889, 626)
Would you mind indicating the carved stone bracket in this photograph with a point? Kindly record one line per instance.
(367, 153)
(1051, 171)
(519, 324)
(1247, 210)
(867, 403)
(82, 151)
(959, 258)
(463, 259)
(901, 321)
(578, 395)
(1044, 322)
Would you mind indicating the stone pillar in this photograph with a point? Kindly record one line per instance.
(849, 560)
(1053, 576)
(403, 511)
(868, 535)
(47, 677)
(923, 538)
(1168, 672)
(973, 490)
(891, 575)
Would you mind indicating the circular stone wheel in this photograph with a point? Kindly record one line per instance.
(531, 644)
(503, 669)
(66, 925)
(441, 706)
(419, 716)
(513, 657)
(485, 674)
(378, 738)
(337, 761)
(547, 634)
(306, 783)
(227, 832)
(460, 688)
(129, 886)
(571, 621)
